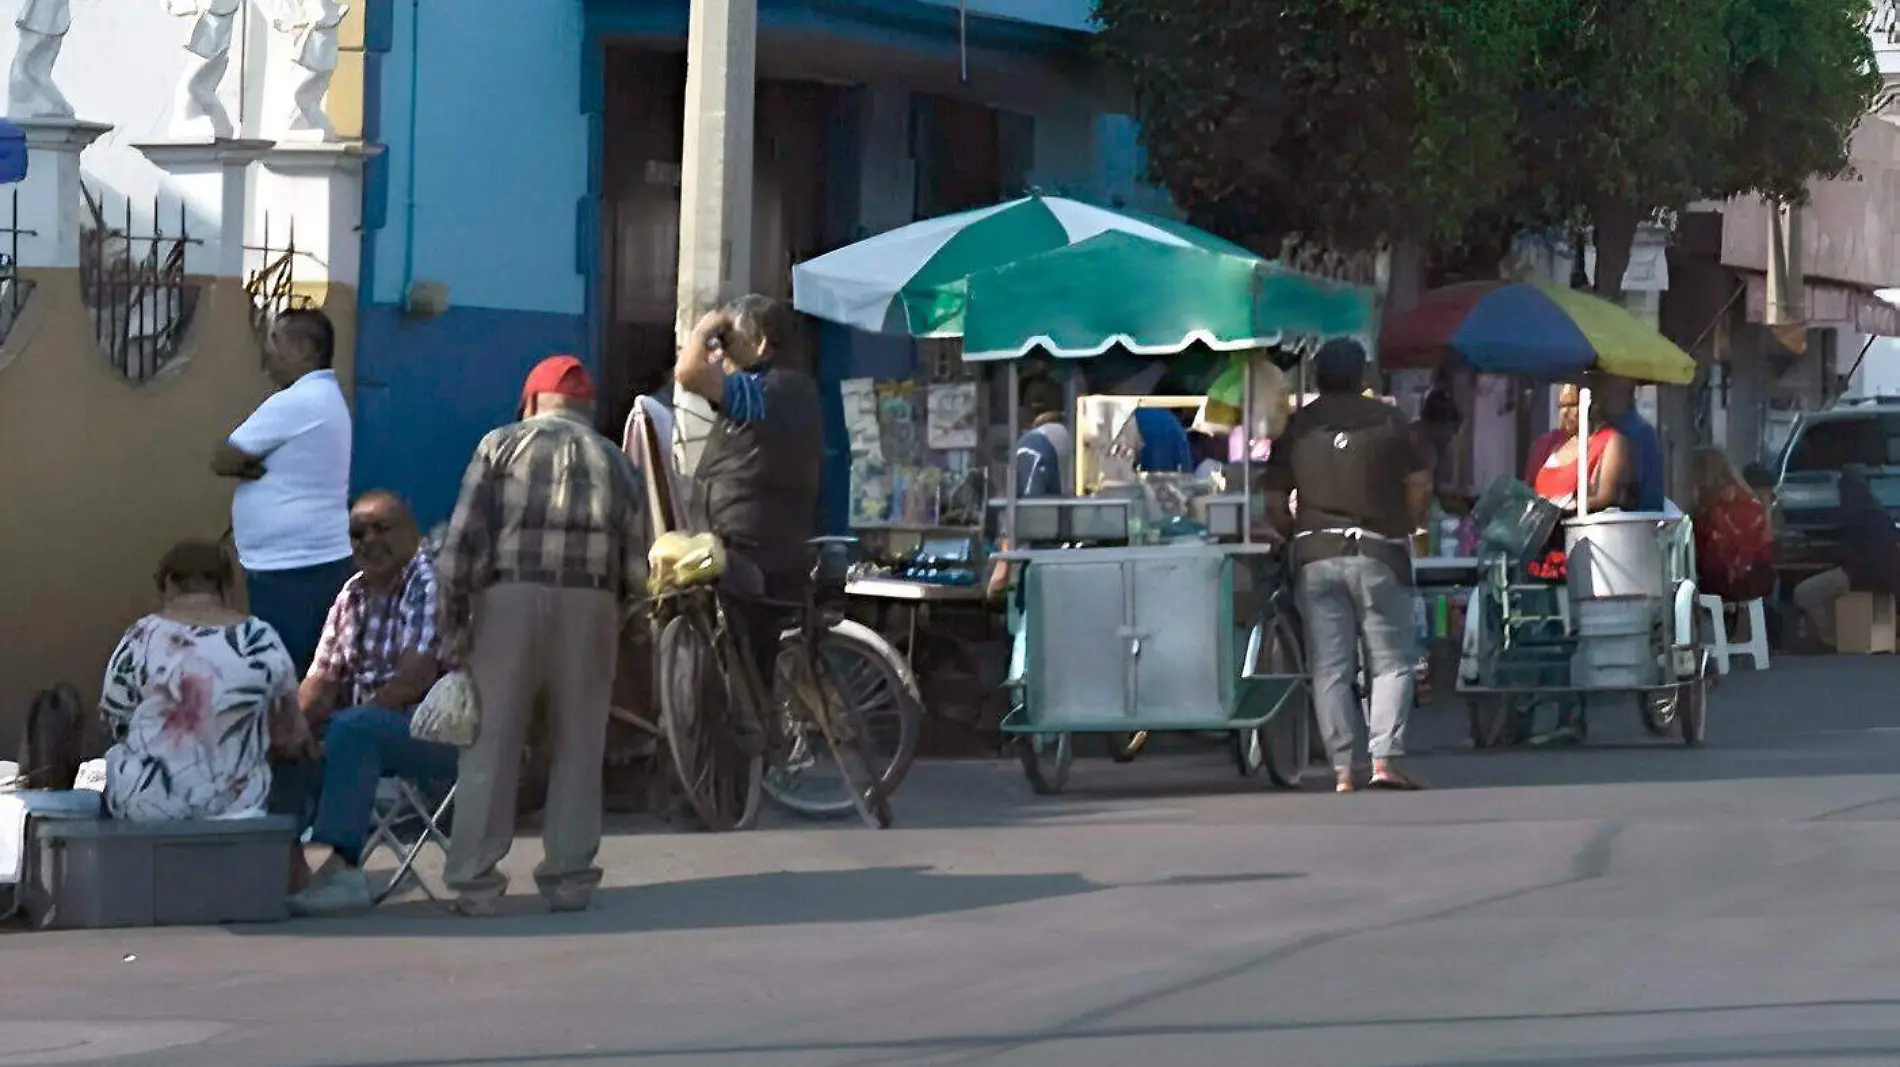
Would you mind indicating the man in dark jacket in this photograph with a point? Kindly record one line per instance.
(1363, 486)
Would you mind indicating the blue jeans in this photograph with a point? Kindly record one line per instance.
(361, 747)
(295, 603)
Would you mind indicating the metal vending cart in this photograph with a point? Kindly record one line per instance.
(1137, 636)
(1622, 622)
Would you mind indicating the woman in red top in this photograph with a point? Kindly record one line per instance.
(1555, 479)
(1734, 539)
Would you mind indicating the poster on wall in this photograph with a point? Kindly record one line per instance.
(952, 416)
(860, 416)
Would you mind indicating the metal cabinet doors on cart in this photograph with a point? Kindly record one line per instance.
(1115, 635)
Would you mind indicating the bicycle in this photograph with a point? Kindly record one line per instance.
(824, 705)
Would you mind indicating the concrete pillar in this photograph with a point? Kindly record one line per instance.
(213, 179)
(51, 207)
(715, 183)
(318, 186)
(1787, 302)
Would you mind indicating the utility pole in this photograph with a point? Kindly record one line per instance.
(715, 184)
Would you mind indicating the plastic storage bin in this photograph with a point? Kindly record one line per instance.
(87, 874)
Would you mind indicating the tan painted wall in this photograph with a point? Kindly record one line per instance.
(98, 476)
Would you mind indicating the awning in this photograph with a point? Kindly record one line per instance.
(1829, 307)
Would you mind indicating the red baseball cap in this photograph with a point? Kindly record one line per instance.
(560, 375)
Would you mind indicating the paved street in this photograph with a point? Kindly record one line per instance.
(1627, 905)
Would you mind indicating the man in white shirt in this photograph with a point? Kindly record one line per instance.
(290, 515)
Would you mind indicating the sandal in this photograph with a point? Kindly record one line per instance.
(1393, 781)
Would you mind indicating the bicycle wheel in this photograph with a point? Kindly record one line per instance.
(697, 703)
(846, 738)
(868, 674)
(1282, 748)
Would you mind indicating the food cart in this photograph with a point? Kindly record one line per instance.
(1143, 629)
(1621, 624)
(1150, 629)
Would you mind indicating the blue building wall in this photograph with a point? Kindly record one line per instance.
(488, 184)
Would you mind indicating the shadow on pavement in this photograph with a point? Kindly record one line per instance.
(777, 898)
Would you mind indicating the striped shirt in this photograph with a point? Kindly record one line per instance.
(546, 501)
(742, 395)
(367, 633)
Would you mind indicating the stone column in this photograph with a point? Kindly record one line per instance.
(51, 205)
(213, 179)
(319, 186)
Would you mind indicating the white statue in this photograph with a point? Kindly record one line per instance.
(199, 111)
(30, 89)
(312, 26)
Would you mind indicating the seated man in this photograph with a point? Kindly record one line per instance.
(380, 652)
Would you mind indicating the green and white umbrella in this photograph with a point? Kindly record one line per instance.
(1151, 298)
(912, 280)
(1072, 278)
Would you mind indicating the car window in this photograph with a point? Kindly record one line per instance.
(1830, 444)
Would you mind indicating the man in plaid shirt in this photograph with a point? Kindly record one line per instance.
(380, 652)
(541, 565)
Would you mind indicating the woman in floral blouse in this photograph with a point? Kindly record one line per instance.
(196, 697)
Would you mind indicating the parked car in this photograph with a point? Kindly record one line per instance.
(1807, 487)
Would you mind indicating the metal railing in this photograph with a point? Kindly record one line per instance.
(14, 289)
(270, 277)
(135, 287)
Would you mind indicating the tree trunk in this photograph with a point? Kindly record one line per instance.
(1615, 235)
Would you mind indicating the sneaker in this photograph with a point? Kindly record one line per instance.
(343, 891)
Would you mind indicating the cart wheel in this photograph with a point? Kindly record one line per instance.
(1123, 748)
(1659, 712)
(1493, 721)
(1692, 707)
(1046, 759)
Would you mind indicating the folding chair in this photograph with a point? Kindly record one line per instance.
(406, 824)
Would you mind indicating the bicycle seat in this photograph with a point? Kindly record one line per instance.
(679, 561)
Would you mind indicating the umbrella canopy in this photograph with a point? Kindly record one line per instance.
(913, 280)
(1539, 331)
(1121, 289)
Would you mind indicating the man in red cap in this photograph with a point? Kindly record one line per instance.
(541, 563)
(756, 485)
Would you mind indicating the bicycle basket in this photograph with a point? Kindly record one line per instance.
(1514, 521)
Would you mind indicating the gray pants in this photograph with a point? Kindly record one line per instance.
(560, 647)
(1341, 600)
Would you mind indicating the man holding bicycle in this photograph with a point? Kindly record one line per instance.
(756, 486)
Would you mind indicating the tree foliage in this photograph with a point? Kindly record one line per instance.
(1458, 121)
(1343, 121)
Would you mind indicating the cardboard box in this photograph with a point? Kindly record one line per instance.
(1864, 623)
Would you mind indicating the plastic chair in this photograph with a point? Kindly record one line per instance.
(1716, 609)
(407, 824)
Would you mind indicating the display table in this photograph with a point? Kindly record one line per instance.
(913, 592)
(947, 635)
